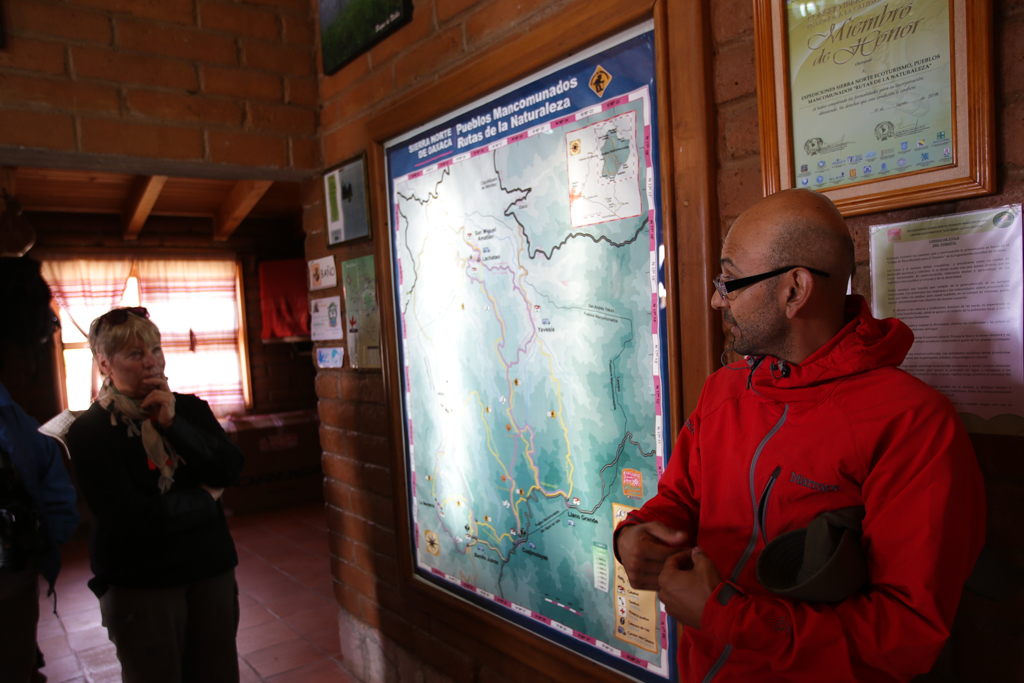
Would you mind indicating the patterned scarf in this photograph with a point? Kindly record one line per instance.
(160, 452)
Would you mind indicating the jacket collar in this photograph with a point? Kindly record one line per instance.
(863, 344)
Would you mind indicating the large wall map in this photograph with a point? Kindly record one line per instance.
(525, 244)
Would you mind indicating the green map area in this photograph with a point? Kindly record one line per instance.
(615, 153)
(529, 362)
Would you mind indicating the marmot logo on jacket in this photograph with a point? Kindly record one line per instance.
(804, 481)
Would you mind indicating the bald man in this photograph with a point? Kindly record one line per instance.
(817, 418)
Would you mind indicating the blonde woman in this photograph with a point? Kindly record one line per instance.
(151, 465)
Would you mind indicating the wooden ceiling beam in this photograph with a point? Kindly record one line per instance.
(140, 203)
(244, 195)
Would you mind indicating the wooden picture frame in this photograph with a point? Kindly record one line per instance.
(691, 239)
(347, 202)
(348, 29)
(557, 177)
(970, 144)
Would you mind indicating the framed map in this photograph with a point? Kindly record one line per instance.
(526, 248)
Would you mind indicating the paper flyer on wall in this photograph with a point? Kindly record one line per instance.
(326, 320)
(361, 313)
(957, 282)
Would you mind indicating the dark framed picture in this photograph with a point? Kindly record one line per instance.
(346, 201)
(3, 43)
(348, 28)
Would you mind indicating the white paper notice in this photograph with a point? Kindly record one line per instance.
(327, 322)
(957, 282)
(322, 273)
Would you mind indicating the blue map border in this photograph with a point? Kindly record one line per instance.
(632, 65)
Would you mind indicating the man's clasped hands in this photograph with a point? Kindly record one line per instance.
(659, 558)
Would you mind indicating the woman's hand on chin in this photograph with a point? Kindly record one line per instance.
(159, 401)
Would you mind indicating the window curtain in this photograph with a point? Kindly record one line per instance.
(193, 302)
(87, 289)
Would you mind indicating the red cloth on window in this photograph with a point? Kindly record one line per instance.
(283, 299)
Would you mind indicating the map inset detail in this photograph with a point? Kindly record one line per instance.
(527, 285)
(604, 171)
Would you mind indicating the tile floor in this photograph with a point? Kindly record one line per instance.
(288, 630)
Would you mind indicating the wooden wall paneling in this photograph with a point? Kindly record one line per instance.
(663, 67)
(140, 203)
(767, 106)
(50, 189)
(244, 196)
(696, 234)
(76, 191)
(198, 196)
(282, 199)
(690, 228)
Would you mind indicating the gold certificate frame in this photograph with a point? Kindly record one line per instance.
(878, 105)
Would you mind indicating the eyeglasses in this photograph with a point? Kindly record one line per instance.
(119, 315)
(725, 287)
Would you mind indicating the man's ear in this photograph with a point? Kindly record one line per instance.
(799, 288)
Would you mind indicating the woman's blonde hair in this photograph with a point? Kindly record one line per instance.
(106, 337)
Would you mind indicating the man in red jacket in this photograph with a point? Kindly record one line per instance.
(818, 418)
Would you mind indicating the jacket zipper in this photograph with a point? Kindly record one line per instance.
(754, 499)
(719, 663)
(760, 507)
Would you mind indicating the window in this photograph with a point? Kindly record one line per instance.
(197, 304)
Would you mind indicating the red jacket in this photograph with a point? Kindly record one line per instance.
(765, 453)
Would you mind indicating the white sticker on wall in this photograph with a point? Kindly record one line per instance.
(330, 356)
(322, 273)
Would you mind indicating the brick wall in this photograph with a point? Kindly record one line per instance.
(203, 81)
(385, 639)
(281, 379)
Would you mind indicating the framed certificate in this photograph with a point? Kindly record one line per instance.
(877, 104)
(346, 202)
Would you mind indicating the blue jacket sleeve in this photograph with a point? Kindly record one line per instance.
(58, 492)
(38, 460)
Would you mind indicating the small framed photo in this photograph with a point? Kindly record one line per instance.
(348, 28)
(879, 105)
(346, 202)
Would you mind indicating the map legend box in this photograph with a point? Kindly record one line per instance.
(601, 567)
